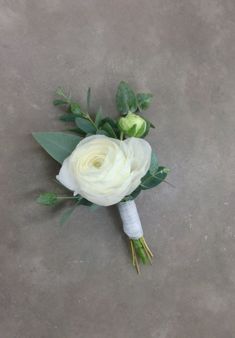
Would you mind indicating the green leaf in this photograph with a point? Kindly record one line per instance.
(144, 100)
(60, 92)
(88, 99)
(68, 117)
(85, 125)
(102, 132)
(48, 198)
(125, 99)
(59, 102)
(75, 108)
(153, 164)
(98, 117)
(152, 180)
(58, 145)
(85, 202)
(108, 129)
(133, 195)
(112, 122)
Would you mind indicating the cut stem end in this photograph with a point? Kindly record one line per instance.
(140, 249)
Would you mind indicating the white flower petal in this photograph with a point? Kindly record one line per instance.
(65, 176)
(104, 170)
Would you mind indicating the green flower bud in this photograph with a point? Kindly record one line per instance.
(132, 125)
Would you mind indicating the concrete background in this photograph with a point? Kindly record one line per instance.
(76, 280)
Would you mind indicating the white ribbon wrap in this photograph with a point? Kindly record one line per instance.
(130, 219)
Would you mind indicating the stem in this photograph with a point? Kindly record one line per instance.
(67, 197)
(121, 135)
(90, 119)
(140, 248)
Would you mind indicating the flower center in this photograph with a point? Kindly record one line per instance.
(97, 161)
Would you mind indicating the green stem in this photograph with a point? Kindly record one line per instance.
(67, 197)
(139, 248)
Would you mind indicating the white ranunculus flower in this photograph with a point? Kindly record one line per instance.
(104, 170)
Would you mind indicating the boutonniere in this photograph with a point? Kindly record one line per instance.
(106, 161)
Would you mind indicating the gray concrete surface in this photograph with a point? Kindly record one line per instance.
(76, 281)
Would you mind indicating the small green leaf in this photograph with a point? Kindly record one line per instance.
(68, 117)
(125, 99)
(59, 102)
(75, 108)
(85, 125)
(108, 128)
(133, 195)
(60, 92)
(144, 100)
(58, 145)
(94, 207)
(47, 198)
(84, 201)
(154, 164)
(152, 180)
(98, 117)
(102, 132)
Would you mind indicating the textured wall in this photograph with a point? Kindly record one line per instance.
(76, 280)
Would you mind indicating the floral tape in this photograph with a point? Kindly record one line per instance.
(130, 219)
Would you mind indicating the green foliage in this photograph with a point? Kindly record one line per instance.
(102, 132)
(48, 198)
(66, 97)
(153, 164)
(68, 117)
(75, 108)
(144, 100)
(86, 125)
(58, 145)
(125, 99)
(109, 130)
(133, 195)
(59, 102)
(151, 180)
(98, 117)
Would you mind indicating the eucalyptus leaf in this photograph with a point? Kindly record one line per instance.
(125, 99)
(59, 102)
(144, 100)
(60, 92)
(47, 198)
(153, 164)
(75, 108)
(152, 180)
(133, 195)
(68, 117)
(85, 125)
(98, 117)
(108, 128)
(57, 144)
(102, 132)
